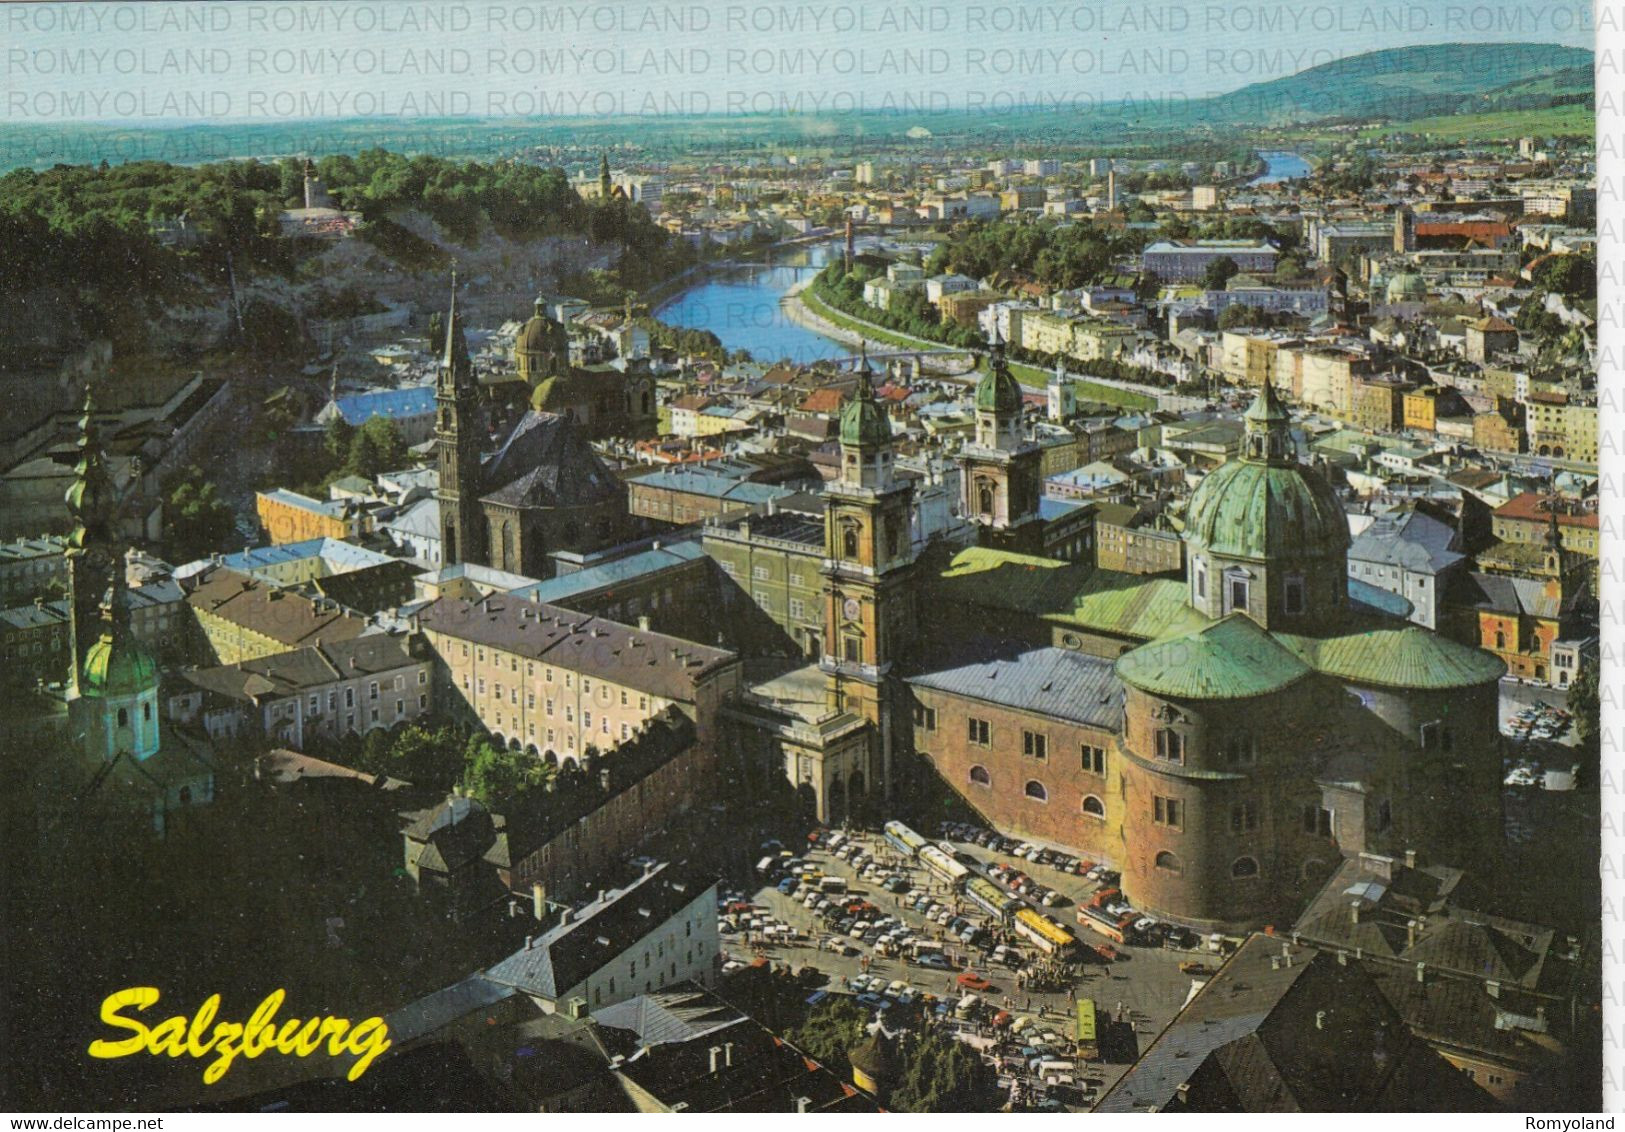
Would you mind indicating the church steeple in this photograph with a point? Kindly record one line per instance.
(457, 445)
(605, 186)
(866, 440)
(89, 553)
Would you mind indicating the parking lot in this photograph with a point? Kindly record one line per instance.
(1136, 995)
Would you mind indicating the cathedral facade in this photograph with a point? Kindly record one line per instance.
(1224, 739)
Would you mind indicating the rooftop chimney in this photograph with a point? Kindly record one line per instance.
(538, 897)
(1421, 972)
(803, 1104)
(1493, 988)
(1354, 911)
(1410, 858)
(716, 1059)
(1320, 1019)
(727, 1053)
(530, 941)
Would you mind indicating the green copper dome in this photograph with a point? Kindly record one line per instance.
(1407, 287)
(998, 391)
(117, 666)
(1230, 659)
(1246, 509)
(1265, 504)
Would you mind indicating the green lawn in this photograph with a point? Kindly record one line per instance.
(1572, 120)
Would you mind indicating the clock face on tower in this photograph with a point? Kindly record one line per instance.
(851, 608)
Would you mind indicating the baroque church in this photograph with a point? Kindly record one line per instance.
(130, 769)
(1221, 738)
(543, 491)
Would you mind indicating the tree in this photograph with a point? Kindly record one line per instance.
(1585, 702)
(1219, 272)
(832, 1029)
(196, 520)
(942, 1074)
(377, 446)
(494, 775)
(337, 441)
(1572, 276)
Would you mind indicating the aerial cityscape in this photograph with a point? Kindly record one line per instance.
(880, 604)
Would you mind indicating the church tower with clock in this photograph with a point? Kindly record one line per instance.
(869, 567)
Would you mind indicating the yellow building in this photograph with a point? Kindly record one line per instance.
(287, 516)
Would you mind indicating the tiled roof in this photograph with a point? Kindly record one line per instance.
(1414, 541)
(1054, 682)
(569, 953)
(413, 401)
(622, 570)
(668, 667)
(546, 462)
(279, 614)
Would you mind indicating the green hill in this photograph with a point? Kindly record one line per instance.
(1415, 82)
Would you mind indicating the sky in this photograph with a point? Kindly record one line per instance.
(158, 63)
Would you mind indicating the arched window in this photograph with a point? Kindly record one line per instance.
(1169, 863)
(146, 711)
(508, 562)
(1243, 867)
(124, 717)
(984, 497)
(1093, 806)
(849, 542)
(1035, 790)
(979, 775)
(1500, 639)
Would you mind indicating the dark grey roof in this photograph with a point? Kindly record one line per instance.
(1059, 683)
(546, 462)
(1527, 596)
(290, 673)
(634, 658)
(444, 1007)
(569, 953)
(1414, 541)
(669, 1016)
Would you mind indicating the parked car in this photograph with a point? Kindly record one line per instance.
(935, 960)
(970, 980)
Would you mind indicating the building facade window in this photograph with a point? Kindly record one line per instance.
(1035, 790)
(1241, 748)
(925, 718)
(1170, 745)
(1317, 820)
(1035, 745)
(980, 732)
(1093, 806)
(1094, 760)
(1243, 817)
(1169, 863)
(1243, 867)
(980, 776)
(1168, 812)
(1295, 600)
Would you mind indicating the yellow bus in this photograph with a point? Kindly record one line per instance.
(1045, 934)
(1088, 1041)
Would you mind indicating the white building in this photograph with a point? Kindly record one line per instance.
(658, 931)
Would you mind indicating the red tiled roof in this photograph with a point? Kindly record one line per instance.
(1531, 507)
(823, 401)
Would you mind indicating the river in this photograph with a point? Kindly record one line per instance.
(741, 307)
(1280, 166)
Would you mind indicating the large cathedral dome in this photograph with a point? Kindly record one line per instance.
(1251, 510)
(1266, 505)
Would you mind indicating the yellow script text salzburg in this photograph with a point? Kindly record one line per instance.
(181, 1037)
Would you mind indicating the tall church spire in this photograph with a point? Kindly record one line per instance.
(90, 555)
(457, 446)
(605, 186)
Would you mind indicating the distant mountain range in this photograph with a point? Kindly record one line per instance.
(1400, 84)
(1414, 82)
